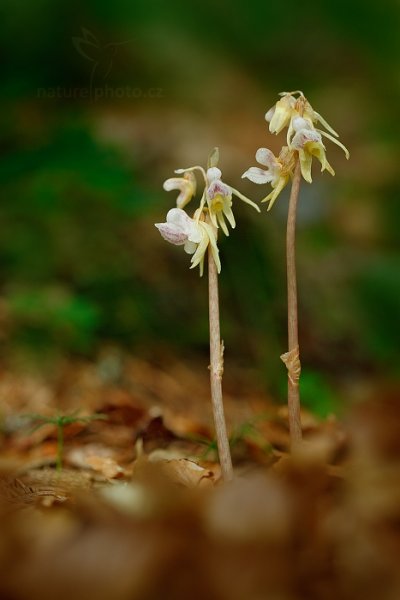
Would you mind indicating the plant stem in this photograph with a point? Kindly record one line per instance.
(60, 446)
(216, 371)
(292, 357)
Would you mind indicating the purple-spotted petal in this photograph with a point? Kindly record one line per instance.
(303, 136)
(172, 233)
(218, 188)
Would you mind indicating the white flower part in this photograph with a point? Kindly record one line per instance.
(305, 135)
(269, 114)
(300, 123)
(271, 174)
(219, 200)
(174, 183)
(218, 188)
(282, 114)
(208, 239)
(190, 247)
(180, 229)
(266, 157)
(186, 185)
(213, 174)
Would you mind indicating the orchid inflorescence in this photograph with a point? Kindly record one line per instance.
(303, 138)
(303, 142)
(196, 234)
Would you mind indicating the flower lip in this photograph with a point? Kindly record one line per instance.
(186, 185)
(172, 233)
(218, 188)
(304, 136)
(179, 228)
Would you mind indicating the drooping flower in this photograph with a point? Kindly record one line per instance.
(179, 229)
(186, 185)
(193, 234)
(280, 114)
(278, 172)
(219, 200)
(308, 142)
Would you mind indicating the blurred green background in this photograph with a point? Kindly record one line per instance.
(101, 101)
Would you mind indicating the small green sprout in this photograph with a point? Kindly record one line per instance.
(61, 421)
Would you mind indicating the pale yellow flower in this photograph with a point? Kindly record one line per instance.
(279, 169)
(219, 200)
(193, 234)
(308, 143)
(186, 185)
(280, 114)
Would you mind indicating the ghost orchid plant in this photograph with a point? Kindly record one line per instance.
(303, 143)
(198, 234)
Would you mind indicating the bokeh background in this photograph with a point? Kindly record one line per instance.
(101, 101)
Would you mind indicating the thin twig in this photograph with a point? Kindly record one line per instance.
(216, 371)
(292, 357)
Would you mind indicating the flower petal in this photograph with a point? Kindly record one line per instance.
(266, 157)
(269, 114)
(300, 123)
(318, 118)
(213, 158)
(257, 175)
(318, 151)
(194, 232)
(245, 199)
(222, 224)
(305, 164)
(178, 217)
(214, 247)
(303, 136)
(174, 183)
(229, 214)
(335, 141)
(213, 174)
(190, 247)
(283, 112)
(275, 192)
(218, 188)
(172, 233)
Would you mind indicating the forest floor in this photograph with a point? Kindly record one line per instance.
(139, 511)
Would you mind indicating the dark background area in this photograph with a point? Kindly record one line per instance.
(101, 102)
